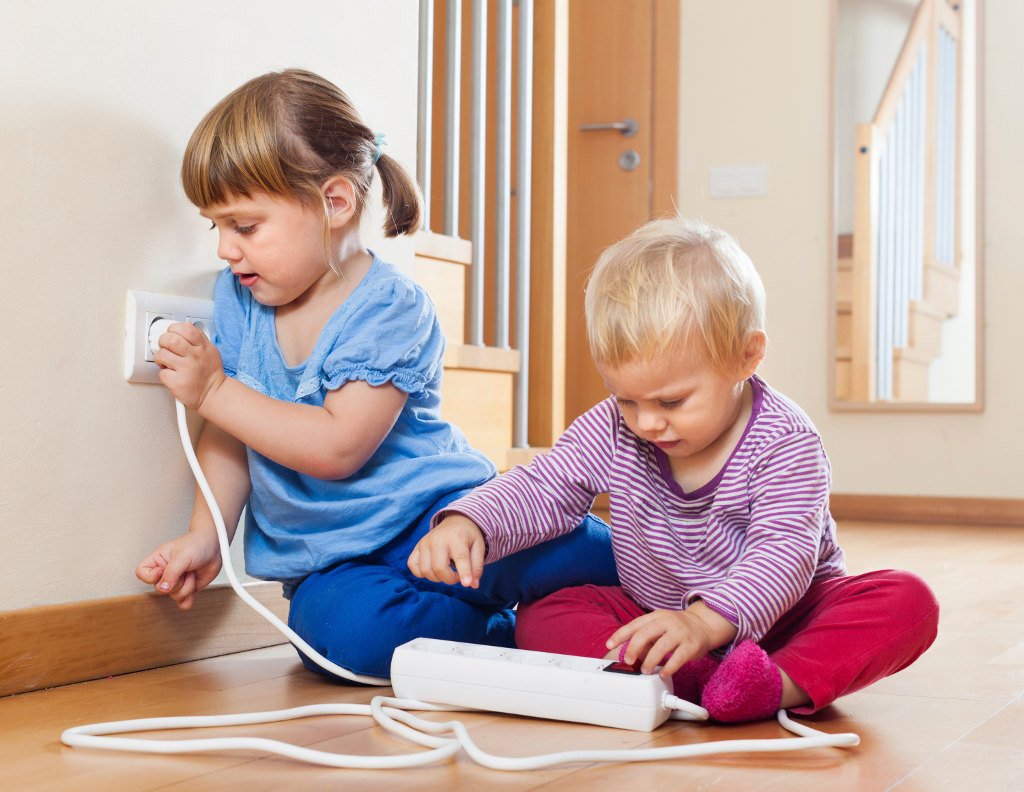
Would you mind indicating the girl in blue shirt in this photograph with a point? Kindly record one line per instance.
(321, 392)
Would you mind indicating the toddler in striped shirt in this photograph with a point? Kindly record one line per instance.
(732, 580)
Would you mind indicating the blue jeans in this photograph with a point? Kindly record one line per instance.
(357, 612)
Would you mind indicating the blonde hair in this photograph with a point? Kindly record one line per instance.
(673, 281)
(286, 134)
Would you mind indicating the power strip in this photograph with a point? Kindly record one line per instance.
(537, 684)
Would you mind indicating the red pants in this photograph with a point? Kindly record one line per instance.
(843, 634)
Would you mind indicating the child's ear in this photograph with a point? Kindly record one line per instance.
(754, 349)
(340, 197)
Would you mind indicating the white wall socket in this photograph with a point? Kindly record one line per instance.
(144, 308)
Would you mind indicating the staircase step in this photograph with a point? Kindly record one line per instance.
(910, 377)
(508, 458)
(844, 282)
(477, 393)
(445, 283)
(440, 246)
(941, 297)
(844, 246)
(942, 288)
(439, 266)
(477, 390)
(467, 356)
(844, 326)
(913, 355)
(926, 329)
(843, 375)
(479, 402)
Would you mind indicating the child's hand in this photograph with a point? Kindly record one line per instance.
(456, 540)
(686, 635)
(182, 567)
(190, 365)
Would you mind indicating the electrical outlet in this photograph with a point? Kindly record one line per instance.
(144, 308)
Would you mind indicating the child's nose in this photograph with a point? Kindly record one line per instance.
(649, 421)
(227, 250)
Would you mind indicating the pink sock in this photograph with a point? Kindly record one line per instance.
(746, 687)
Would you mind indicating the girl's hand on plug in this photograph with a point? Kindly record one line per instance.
(182, 567)
(456, 540)
(190, 364)
(685, 635)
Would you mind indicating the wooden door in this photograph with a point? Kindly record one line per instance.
(623, 69)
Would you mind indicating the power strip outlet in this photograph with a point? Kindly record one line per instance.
(521, 682)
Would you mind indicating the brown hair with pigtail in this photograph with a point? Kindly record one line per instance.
(286, 134)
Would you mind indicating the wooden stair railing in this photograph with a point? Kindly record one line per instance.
(898, 274)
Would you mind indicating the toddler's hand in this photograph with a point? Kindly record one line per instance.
(456, 540)
(182, 567)
(685, 635)
(190, 365)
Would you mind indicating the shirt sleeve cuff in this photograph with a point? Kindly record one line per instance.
(723, 609)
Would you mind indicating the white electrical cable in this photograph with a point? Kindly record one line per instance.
(94, 736)
(682, 709)
(390, 713)
(252, 602)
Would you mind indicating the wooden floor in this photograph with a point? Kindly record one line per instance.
(953, 721)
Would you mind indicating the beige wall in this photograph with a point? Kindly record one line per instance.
(97, 101)
(755, 90)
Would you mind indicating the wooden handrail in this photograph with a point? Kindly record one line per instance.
(917, 37)
(930, 15)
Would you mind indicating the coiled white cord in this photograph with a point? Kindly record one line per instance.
(442, 740)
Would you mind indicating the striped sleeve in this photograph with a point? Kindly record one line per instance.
(782, 544)
(550, 496)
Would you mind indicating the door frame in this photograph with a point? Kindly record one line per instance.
(549, 190)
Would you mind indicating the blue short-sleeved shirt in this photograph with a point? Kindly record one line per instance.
(386, 331)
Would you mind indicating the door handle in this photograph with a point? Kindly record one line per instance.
(627, 127)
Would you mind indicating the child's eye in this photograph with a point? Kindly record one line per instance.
(670, 405)
(244, 230)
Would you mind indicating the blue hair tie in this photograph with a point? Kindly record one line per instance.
(379, 140)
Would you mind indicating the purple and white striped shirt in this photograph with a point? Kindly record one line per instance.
(748, 543)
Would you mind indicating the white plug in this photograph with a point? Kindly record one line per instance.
(157, 329)
(161, 326)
